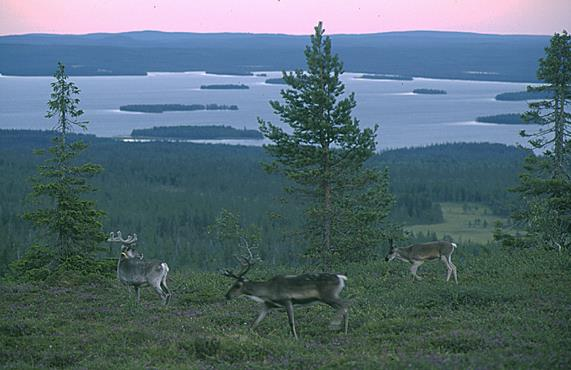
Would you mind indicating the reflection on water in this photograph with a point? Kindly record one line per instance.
(245, 142)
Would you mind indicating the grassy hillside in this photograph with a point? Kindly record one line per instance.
(510, 310)
(472, 222)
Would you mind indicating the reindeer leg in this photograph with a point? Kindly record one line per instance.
(341, 308)
(414, 267)
(291, 319)
(346, 319)
(261, 316)
(453, 269)
(166, 289)
(137, 293)
(445, 260)
(162, 295)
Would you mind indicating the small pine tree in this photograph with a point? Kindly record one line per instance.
(324, 156)
(227, 231)
(73, 224)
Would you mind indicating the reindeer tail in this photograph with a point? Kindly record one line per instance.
(165, 267)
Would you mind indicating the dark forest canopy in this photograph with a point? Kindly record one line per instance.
(386, 77)
(524, 95)
(454, 55)
(197, 132)
(224, 87)
(160, 108)
(429, 91)
(170, 192)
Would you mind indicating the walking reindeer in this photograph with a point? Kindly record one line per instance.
(133, 270)
(289, 290)
(417, 254)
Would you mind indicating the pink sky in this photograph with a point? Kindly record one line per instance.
(284, 16)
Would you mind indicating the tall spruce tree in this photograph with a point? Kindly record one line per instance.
(72, 223)
(324, 156)
(545, 184)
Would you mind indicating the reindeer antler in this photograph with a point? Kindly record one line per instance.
(131, 239)
(245, 261)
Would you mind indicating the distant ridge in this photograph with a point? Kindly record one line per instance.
(433, 54)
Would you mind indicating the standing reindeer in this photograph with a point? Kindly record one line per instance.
(417, 254)
(289, 290)
(133, 270)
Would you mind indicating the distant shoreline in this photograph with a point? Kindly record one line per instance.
(256, 74)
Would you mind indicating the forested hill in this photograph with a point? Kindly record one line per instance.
(420, 53)
(169, 193)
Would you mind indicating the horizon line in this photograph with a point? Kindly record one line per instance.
(274, 34)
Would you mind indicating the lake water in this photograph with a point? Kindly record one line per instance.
(405, 119)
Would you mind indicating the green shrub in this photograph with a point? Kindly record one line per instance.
(39, 264)
(33, 266)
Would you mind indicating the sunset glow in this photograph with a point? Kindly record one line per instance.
(284, 16)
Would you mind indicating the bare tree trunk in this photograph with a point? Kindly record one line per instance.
(326, 208)
(559, 145)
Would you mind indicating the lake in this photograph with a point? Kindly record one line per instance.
(405, 119)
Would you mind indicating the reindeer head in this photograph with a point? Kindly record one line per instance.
(128, 251)
(393, 252)
(237, 288)
(246, 263)
(127, 245)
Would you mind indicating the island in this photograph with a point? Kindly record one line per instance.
(261, 75)
(505, 119)
(276, 81)
(429, 91)
(386, 77)
(224, 87)
(230, 73)
(211, 132)
(524, 95)
(160, 108)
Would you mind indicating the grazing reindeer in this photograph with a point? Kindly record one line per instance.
(417, 254)
(133, 270)
(286, 291)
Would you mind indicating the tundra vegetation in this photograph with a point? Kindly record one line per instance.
(509, 310)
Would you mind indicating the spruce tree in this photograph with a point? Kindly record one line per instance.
(545, 184)
(72, 223)
(324, 155)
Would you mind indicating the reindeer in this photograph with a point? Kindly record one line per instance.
(288, 290)
(133, 270)
(417, 254)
